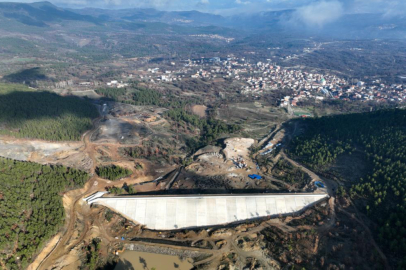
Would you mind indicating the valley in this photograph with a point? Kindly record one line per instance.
(138, 138)
(84, 222)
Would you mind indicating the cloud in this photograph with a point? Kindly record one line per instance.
(239, 2)
(317, 14)
(112, 2)
(389, 8)
(395, 9)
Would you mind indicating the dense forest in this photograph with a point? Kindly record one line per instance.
(112, 172)
(112, 93)
(137, 95)
(146, 97)
(43, 115)
(132, 95)
(31, 207)
(382, 136)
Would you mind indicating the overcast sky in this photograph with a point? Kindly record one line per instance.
(326, 9)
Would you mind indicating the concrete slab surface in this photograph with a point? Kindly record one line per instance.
(185, 211)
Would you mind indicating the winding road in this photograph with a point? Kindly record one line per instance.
(66, 241)
(63, 244)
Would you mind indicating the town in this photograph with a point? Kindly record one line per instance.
(262, 77)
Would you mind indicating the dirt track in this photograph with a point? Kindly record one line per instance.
(331, 187)
(74, 205)
(74, 196)
(66, 249)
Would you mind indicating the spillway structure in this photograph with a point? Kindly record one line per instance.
(172, 212)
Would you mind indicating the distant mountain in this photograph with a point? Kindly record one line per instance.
(14, 16)
(267, 20)
(46, 31)
(368, 26)
(39, 14)
(193, 18)
(44, 16)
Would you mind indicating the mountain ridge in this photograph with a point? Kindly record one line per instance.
(350, 26)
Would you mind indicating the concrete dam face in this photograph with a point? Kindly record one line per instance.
(178, 212)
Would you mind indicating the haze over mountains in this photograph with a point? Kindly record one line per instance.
(14, 17)
(245, 115)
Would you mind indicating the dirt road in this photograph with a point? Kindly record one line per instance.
(331, 185)
(75, 209)
(62, 246)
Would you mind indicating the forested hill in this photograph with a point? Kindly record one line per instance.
(31, 209)
(381, 135)
(25, 113)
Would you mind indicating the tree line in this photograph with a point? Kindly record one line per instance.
(381, 135)
(31, 207)
(112, 172)
(137, 95)
(111, 93)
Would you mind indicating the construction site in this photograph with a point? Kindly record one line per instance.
(228, 207)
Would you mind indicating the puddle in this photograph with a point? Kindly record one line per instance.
(143, 260)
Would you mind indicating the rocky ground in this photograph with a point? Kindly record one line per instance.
(69, 154)
(330, 235)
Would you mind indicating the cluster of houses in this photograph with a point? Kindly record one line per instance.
(375, 91)
(261, 77)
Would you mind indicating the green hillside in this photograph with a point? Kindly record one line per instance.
(381, 136)
(6, 88)
(31, 207)
(25, 113)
